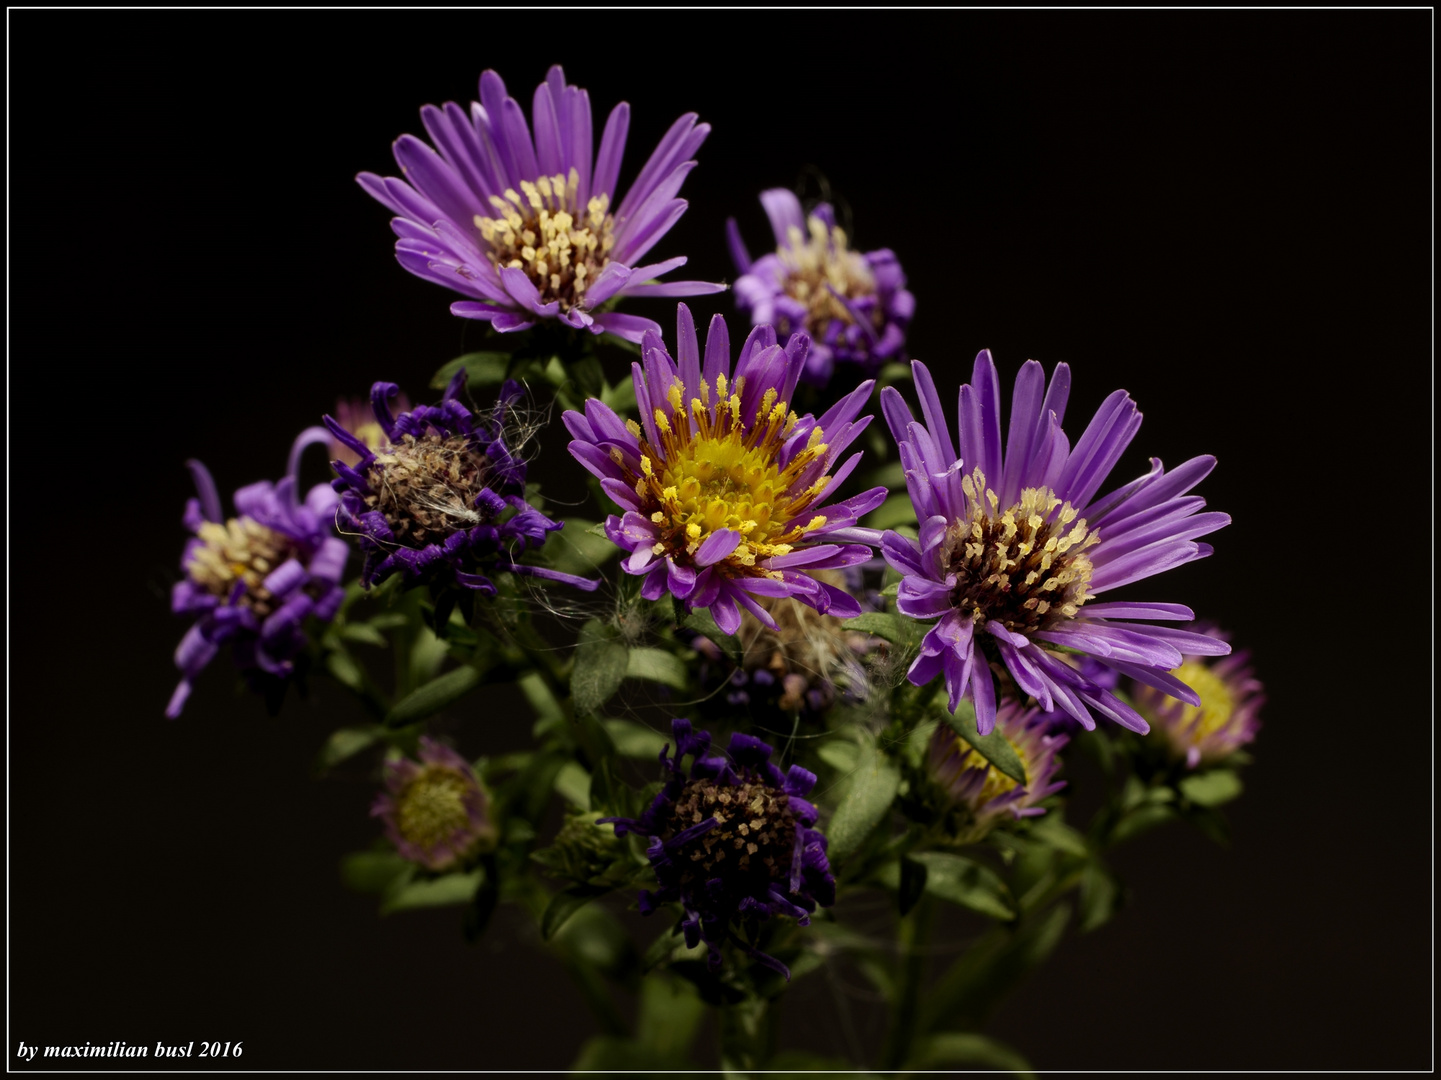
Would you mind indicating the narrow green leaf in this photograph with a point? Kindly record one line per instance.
(620, 397)
(433, 892)
(864, 802)
(1100, 896)
(967, 1048)
(881, 624)
(1141, 821)
(345, 743)
(701, 621)
(966, 882)
(657, 665)
(481, 368)
(373, 871)
(572, 783)
(1211, 788)
(1051, 829)
(993, 747)
(566, 903)
(433, 696)
(840, 754)
(365, 634)
(635, 740)
(600, 666)
(346, 671)
(538, 693)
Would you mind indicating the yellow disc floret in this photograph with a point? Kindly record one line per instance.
(1217, 702)
(708, 471)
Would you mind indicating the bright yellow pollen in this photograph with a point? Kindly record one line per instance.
(542, 230)
(706, 472)
(1217, 706)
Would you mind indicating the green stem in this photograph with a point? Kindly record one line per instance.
(745, 1034)
(914, 933)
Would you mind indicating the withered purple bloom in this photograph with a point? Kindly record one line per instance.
(722, 487)
(854, 306)
(435, 811)
(1013, 549)
(442, 499)
(733, 843)
(253, 579)
(532, 225)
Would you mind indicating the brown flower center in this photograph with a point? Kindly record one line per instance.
(1025, 566)
(756, 835)
(426, 487)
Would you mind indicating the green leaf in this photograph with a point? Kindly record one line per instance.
(364, 633)
(481, 369)
(576, 549)
(1100, 896)
(701, 621)
(1141, 821)
(864, 802)
(657, 665)
(620, 397)
(896, 510)
(1211, 788)
(966, 1048)
(345, 670)
(839, 754)
(566, 903)
(433, 892)
(966, 882)
(635, 740)
(548, 711)
(993, 747)
(345, 743)
(373, 871)
(572, 783)
(990, 969)
(600, 666)
(882, 625)
(1052, 830)
(433, 696)
(890, 475)
(669, 1017)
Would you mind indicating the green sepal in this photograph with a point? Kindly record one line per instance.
(993, 747)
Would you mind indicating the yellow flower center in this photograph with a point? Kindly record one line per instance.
(819, 264)
(240, 550)
(997, 783)
(431, 808)
(1022, 566)
(709, 473)
(1217, 701)
(542, 230)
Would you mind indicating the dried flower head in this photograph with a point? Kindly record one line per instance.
(435, 810)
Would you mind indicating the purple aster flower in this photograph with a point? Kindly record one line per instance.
(855, 307)
(253, 579)
(722, 488)
(983, 794)
(435, 811)
(356, 416)
(732, 843)
(1228, 715)
(1013, 549)
(532, 227)
(441, 499)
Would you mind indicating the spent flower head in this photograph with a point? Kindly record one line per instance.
(1227, 715)
(733, 843)
(435, 810)
(854, 306)
(528, 220)
(1014, 548)
(252, 580)
(441, 498)
(722, 488)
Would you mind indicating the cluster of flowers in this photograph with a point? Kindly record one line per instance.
(728, 500)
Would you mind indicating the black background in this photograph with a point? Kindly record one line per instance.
(1226, 213)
